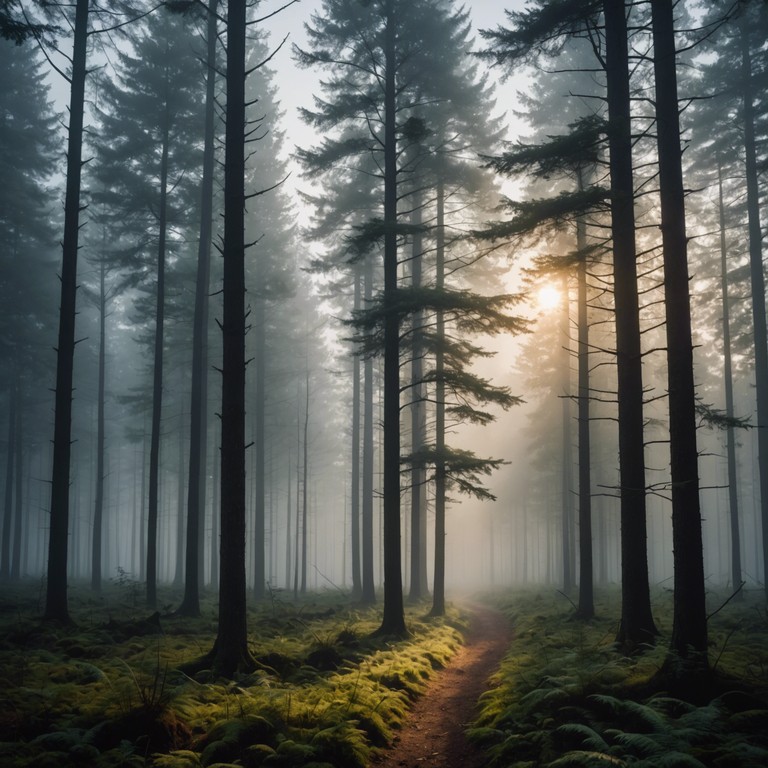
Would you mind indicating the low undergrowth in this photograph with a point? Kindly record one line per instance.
(107, 693)
(565, 697)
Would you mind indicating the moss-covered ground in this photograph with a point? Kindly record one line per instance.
(565, 697)
(107, 692)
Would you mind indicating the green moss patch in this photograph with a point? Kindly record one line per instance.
(107, 691)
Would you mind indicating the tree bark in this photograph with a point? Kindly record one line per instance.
(730, 437)
(586, 606)
(198, 430)
(19, 493)
(689, 625)
(418, 586)
(259, 445)
(393, 619)
(357, 584)
(757, 279)
(637, 625)
(305, 491)
(369, 589)
(157, 375)
(98, 510)
(56, 603)
(5, 567)
(438, 587)
(230, 653)
(566, 479)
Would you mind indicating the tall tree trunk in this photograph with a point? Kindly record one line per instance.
(418, 587)
(393, 619)
(304, 491)
(157, 375)
(566, 478)
(198, 429)
(586, 606)
(230, 653)
(56, 604)
(98, 511)
(259, 406)
(438, 588)
(757, 278)
(296, 556)
(178, 576)
(357, 584)
(19, 493)
(730, 437)
(637, 625)
(369, 590)
(215, 534)
(288, 539)
(689, 626)
(5, 567)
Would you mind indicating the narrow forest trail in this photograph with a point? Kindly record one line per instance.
(433, 735)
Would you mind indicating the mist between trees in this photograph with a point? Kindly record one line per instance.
(325, 367)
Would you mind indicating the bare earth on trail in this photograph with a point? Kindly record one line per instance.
(433, 735)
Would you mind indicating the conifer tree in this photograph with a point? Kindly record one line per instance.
(27, 237)
(152, 116)
(545, 27)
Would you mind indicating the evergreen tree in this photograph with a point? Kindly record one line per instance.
(544, 27)
(56, 604)
(152, 116)
(689, 630)
(27, 235)
(196, 493)
(384, 77)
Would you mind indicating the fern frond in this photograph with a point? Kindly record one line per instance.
(638, 744)
(582, 736)
(546, 696)
(670, 706)
(585, 759)
(670, 760)
(632, 715)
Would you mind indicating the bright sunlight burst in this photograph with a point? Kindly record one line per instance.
(547, 297)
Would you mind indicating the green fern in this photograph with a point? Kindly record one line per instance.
(585, 759)
(670, 760)
(632, 714)
(637, 744)
(581, 735)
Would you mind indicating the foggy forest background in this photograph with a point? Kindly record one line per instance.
(489, 205)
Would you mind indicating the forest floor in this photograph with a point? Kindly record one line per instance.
(434, 734)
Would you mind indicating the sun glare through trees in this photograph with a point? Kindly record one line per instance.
(335, 334)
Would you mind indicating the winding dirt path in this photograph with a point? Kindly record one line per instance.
(433, 736)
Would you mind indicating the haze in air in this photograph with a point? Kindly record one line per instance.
(356, 351)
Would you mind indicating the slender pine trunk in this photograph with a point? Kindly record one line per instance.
(198, 429)
(418, 587)
(689, 625)
(586, 606)
(730, 437)
(5, 565)
(393, 619)
(98, 511)
(157, 375)
(637, 625)
(56, 604)
(369, 589)
(438, 588)
(357, 584)
(757, 279)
